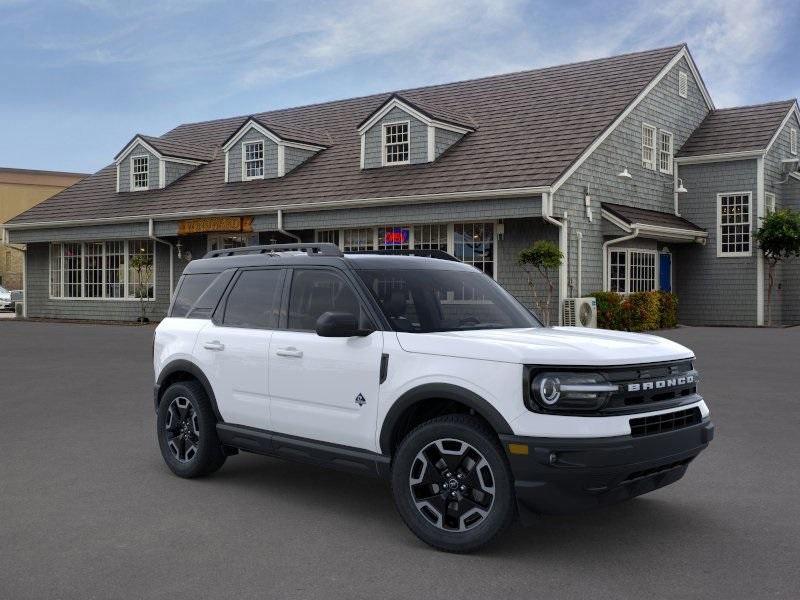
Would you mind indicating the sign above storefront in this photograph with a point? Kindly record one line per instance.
(216, 225)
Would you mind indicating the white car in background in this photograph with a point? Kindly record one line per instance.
(5, 299)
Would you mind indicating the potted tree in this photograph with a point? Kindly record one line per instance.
(539, 261)
(142, 266)
(779, 239)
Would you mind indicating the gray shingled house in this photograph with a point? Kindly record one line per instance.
(623, 161)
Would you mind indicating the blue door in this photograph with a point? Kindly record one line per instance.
(665, 272)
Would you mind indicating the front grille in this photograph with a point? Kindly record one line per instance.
(664, 422)
(665, 386)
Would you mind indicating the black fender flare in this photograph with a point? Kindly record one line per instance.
(185, 366)
(445, 391)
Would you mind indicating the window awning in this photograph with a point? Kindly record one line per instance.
(653, 224)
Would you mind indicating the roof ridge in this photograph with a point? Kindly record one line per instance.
(759, 105)
(390, 93)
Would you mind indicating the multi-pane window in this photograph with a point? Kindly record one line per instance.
(648, 146)
(358, 239)
(734, 222)
(394, 238)
(140, 166)
(253, 160)
(618, 270)
(665, 152)
(395, 143)
(473, 243)
(631, 271)
(115, 269)
(683, 84)
(430, 237)
(793, 140)
(328, 236)
(93, 270)
(102, 270)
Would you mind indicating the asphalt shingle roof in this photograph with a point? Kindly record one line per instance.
(530, 127)
(737, 129)
(630, 215)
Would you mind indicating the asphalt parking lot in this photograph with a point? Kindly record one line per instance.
(88, 510)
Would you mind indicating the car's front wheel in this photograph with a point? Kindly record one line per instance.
(452, 484)
(187, 431)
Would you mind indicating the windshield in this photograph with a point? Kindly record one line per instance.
(428, 300)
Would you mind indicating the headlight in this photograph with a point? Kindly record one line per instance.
(571, 391)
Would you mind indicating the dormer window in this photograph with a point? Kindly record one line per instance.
(140, 169)
(396, 148)
(253, 153)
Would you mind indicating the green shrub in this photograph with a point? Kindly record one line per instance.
(640, 311)
(643, 310)
(669, 310)
(609, 310)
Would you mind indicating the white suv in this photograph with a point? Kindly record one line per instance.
(425, 372)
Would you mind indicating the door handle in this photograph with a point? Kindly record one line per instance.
(289, 351)
(215, 345)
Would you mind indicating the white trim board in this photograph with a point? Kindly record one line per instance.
(252, 124)
(681, 54)
(659, 232)
(138, 140)
(721, 157)
(792, 111)
(302, 207)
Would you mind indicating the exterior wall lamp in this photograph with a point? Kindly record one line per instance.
(680, 189)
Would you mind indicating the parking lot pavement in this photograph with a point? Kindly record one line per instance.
(87, 509)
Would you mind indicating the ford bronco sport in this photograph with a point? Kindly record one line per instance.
(423, 371)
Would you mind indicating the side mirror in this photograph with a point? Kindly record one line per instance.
(339, 324)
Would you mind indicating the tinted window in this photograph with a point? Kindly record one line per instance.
(254, 300)
(316, 291)
(426, 300)
(188, 293)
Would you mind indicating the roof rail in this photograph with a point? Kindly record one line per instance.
(432, 253)
(310, 249)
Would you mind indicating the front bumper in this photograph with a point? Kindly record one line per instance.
(566, 475)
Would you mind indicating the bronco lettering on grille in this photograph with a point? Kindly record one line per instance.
(660, 384)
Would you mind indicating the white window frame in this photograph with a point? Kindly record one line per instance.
(104, 298)
(649, 164)
(769, 202)
(683, 84)
(384, 148)
(412, 241)
(627, 276)
(793, 141)
(665, 155)
(133, 186)
(263, 160)
(720, 253)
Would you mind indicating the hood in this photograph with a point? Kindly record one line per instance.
(575, 346)
(5, 296)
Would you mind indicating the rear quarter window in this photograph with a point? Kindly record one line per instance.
(190, 289)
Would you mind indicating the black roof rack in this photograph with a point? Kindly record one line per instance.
(310, 249)
(434, 253)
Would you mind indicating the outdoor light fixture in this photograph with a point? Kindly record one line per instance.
(625, 174)
(680, 189)
(179, 247)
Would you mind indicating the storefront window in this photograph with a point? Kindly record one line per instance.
(358, 239)
(473, 243)
(632, 271)
(98, 270)
(394, 238)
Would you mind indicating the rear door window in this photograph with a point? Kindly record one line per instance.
(254, 300)
(317, 291)
(191, 288)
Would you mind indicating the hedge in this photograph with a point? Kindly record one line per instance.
(640, 311)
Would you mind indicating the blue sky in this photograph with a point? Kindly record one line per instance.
(79, 78)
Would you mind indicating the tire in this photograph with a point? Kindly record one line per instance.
(189, 445)
(459, 505)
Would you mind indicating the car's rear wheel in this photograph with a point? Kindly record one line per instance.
(452, 484)
(187, 431)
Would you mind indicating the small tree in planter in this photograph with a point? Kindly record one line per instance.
(779, 239)
(540, 261)
(142, 265)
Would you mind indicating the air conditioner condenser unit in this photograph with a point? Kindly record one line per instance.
(580, 312)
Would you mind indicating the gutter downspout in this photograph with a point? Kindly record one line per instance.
(580, 264)
(618, 240)
(563, 242)
(152, 236)
(280, 228)
(675, 187)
